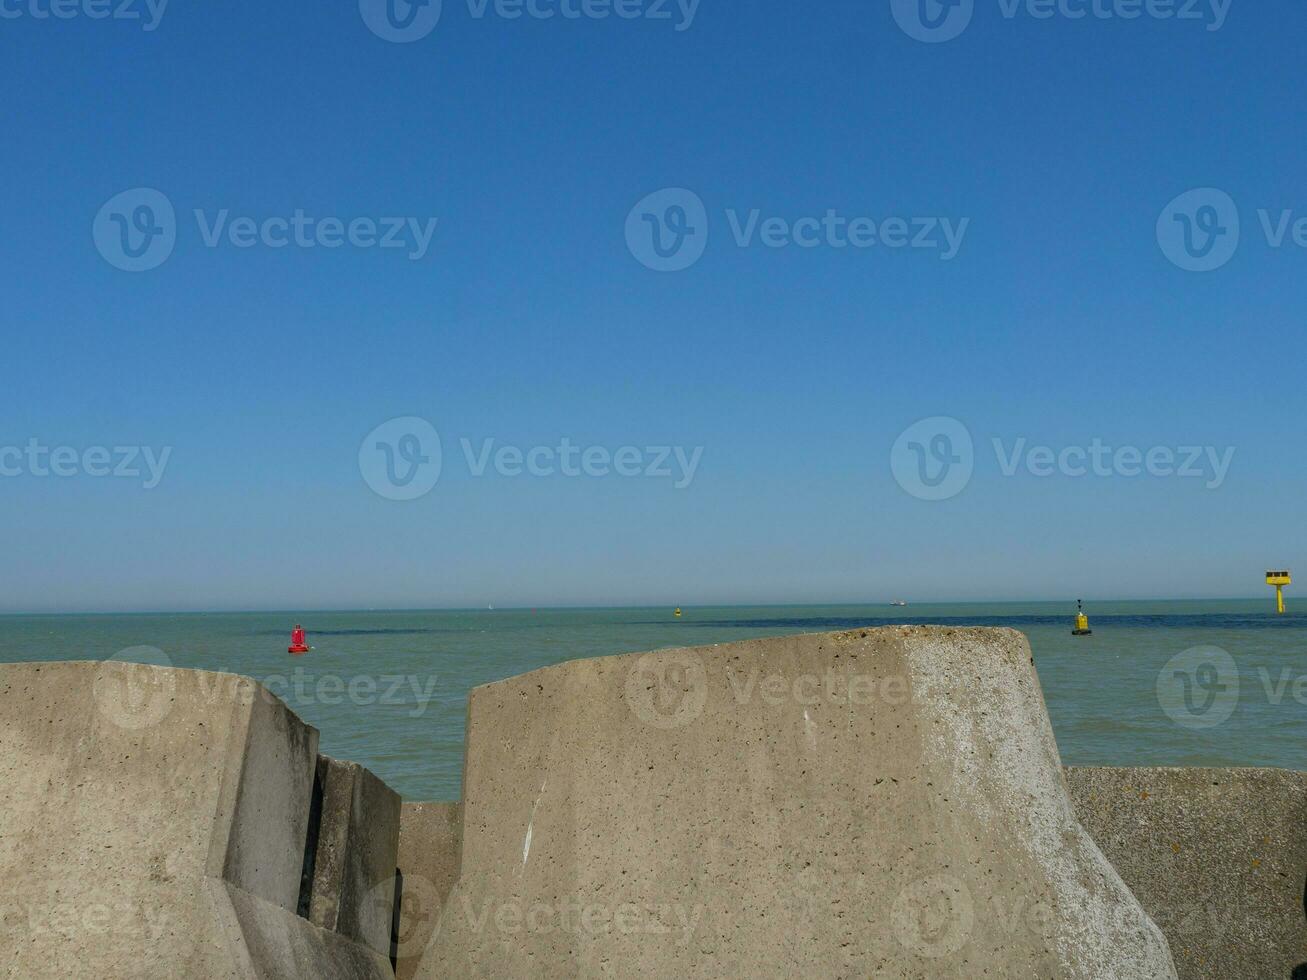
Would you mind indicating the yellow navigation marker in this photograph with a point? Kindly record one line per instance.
(1279, 580)
(1082, 621)
(678, 612)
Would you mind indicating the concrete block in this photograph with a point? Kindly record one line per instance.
(430, 846)
(153, 825)
(883, 803)
(1218, 858)
(358, 843)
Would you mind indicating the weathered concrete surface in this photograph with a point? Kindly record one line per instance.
(358, 844)
(1218, 858)
(430, 843)
(883, 803)
(153, 825)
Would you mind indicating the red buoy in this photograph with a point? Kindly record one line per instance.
(297, 644)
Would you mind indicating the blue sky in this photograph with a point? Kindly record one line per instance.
(1059, 320)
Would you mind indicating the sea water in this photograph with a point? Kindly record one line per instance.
(1176, 683)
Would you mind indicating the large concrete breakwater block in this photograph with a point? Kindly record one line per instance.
(883, 802)
(1218, 857)
(430, 842)
(160, 823)
(354, 890)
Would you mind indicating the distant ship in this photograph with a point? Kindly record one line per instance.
(898, 602)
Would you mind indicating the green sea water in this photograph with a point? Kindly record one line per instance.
(1176, 683)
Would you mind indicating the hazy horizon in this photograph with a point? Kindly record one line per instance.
(1090, 602)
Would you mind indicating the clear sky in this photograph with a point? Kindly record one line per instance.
(1054, 144)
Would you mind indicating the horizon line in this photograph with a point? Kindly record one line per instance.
(235, 611)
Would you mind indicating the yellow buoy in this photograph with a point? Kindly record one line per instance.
(678, 612)
(1279, 580)
(1082, 621)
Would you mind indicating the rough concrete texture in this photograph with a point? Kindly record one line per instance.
(883, 803)
(153, 825)
(430, 842)
(358, 844)
(1218, 858)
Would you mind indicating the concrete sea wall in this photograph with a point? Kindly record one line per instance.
(1217, 857)
(881, 803)
(159, 823)
(875, 803)
(430, 853)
